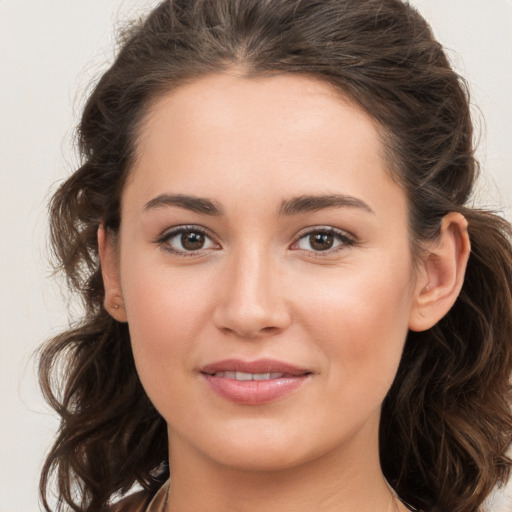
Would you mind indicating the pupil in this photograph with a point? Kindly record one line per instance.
(192, 240)
(321, 241)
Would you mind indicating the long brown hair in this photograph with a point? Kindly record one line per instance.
(446, 421)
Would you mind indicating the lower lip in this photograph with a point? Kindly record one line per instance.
(254, 392)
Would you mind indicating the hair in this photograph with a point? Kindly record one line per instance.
(446, 421)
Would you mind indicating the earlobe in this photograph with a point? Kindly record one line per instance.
(442, 272)
(109, 261)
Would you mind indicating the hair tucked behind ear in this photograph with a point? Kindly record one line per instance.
(446, 422)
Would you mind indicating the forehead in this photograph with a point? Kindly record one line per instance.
(229, 101)
(233, 91)
(225, 133)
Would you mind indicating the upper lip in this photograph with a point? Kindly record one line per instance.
(258, 366)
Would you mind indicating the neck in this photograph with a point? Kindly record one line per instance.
(337, 481)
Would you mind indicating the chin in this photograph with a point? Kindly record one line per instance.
(258, 459)
(267, 450)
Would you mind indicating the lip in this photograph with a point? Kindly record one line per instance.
(254, 392)
(258, 366)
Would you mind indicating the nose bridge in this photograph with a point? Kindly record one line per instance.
(251, 300)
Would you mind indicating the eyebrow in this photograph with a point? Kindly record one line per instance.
(311, 203)
(196, 204)
(293, 206)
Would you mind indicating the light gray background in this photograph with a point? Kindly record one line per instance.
(49, 50)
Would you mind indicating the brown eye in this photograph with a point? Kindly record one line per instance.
(184, 239)
(192, 240)
(324, 240)
(321, 241)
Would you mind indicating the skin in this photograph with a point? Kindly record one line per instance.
(258, 288)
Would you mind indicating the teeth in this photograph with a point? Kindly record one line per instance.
(243, 376)
(261, 376)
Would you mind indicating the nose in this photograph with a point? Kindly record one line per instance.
(251, 296)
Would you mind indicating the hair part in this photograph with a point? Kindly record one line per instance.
(446, 421)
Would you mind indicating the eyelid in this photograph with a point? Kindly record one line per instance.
(170, 233)
(343, 236)
(346, 239)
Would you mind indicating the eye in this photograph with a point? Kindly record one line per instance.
(186, 239)
(324, 240)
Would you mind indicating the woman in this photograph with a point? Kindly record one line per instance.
(290, 303)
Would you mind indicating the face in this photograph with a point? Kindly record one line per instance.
(265, 270)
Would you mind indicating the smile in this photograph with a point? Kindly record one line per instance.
(249, 376)
(253, 382)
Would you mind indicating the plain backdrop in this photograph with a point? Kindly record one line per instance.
(49, 53)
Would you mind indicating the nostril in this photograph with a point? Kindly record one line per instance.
(244, 312)
(269, 329)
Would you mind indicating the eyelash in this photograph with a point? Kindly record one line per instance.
(345, 240)
(163, 240)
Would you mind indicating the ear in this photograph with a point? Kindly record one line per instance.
(441, 273)
(109, 261)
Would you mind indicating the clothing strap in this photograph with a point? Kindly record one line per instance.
(407, 506)
(159, 499)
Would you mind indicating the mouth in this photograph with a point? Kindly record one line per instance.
(264, 368)
(244, 376)
(254, 382)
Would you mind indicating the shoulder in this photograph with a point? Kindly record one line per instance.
(136, 502)
(143, 501)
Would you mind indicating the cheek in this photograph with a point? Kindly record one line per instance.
(167, 311)
(360, 319)
(164, 302)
